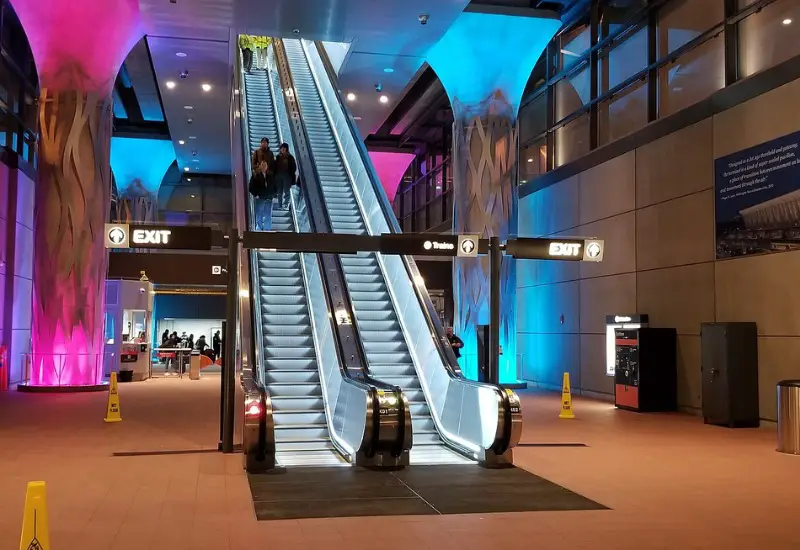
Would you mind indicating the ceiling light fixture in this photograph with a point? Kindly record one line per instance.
(206, 87)
(180, 54)
(185, 168)
(351, 96)
(530, 160)
(170, 84)
(388, 70)
(195, 160)
(181, 142)
(192, 196)
(787, 21)
(384, 99)
(188, 107)
(192, 137)
(189, 179)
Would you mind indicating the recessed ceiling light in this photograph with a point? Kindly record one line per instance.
(188, 107)
(192, 137)
(356, 118)
(181, 142)
(530, 160)
(296, 31)
(351, 96)
(206, 87)
(192, 196)
(170, 84)
(384, 99)
(787, 21)
(189, 179)
(388, 70)
(195, 160)
(185, 168)
(180, 54)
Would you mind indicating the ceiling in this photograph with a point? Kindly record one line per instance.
(388, 45)
(384, 35)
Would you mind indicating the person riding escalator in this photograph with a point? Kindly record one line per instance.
(285, 175)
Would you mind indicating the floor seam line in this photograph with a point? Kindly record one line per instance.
(423, 499)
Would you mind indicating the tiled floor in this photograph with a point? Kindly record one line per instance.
(670, 481)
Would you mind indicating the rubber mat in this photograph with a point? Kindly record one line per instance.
(298, 493)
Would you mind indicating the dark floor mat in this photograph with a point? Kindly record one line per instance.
(299, 493)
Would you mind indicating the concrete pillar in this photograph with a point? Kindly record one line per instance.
(78, 45)
(484, 61)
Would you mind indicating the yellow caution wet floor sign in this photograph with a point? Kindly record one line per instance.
(566, 399)
(113, 413)
(35, 524)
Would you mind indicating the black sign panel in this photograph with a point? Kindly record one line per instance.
(546, 249)
(172, 237)
(319, 243)
(420, 245)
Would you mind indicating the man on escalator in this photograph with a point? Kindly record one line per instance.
(285, 175)
(455, 342)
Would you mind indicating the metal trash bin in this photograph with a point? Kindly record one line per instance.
(789, 416)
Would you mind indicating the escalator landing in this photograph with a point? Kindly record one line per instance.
(300, 493)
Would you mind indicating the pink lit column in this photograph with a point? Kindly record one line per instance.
(78, 45)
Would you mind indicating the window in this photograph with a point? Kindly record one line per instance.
(692, 77)
(572, 140)
(769, 37)
(623, 61)
(533, 119)
(533, 161)
(572, 45)
(681, 21)
(623, 113)
(572, 93)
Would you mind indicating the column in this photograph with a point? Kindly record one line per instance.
(484, 61)
(78, 45)
(138, 182)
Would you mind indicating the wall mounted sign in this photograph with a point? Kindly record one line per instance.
(122, 235)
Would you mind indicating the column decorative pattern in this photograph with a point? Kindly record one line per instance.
(70, 264)
(485, 203)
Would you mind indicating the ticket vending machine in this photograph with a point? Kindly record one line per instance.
(645, 374)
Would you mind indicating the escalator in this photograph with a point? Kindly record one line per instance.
(314, 413)
(387, 353)
(289, 359)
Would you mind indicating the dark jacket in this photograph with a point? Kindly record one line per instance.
(259, 156)
(286, 165)
(456, 343)
(259, 185)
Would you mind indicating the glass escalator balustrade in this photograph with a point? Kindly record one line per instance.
(385, 346)
(289, 369)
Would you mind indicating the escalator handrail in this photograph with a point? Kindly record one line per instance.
(320, 222)
(503, 435)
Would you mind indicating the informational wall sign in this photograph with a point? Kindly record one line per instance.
(757, 198)
(574, 250)
(468, 246)
(120, 235)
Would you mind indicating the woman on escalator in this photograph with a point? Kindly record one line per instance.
(285, 175)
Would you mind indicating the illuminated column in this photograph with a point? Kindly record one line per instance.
(484, 61)
(137, 181)
(78, 45)
(390, 168)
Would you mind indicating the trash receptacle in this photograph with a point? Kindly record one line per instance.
(789, 416)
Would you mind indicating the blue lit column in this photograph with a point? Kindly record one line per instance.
(484, 61)
(139, 165)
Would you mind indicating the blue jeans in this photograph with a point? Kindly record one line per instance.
(262, 209)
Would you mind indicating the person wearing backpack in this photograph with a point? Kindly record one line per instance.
(262, 198)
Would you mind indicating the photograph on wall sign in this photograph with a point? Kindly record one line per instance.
(757, 199)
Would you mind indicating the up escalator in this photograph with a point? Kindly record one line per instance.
(387, 352)
(289, 360)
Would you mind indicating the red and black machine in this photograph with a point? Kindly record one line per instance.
(645, 376)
